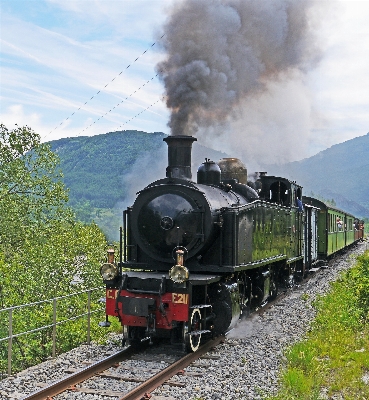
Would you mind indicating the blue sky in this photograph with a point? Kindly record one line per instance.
(57, 54)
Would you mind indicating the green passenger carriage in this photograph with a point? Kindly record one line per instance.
(336, 228)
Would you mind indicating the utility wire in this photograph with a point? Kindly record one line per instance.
(121, 102)
(104, 88)
(157, 101)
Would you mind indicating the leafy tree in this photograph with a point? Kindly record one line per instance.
(44, 251)
(31, 190)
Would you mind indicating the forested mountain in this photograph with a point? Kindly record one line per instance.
(104, 172)
(340, 172)
(94, 166)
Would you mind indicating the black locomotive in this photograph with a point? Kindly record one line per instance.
(195, 256)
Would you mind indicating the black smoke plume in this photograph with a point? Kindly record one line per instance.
(221, 52)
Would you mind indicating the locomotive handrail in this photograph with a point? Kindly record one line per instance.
(164, 182)
(264, 261)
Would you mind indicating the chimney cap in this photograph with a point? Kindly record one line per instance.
(173, 138)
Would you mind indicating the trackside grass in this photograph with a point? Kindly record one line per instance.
(333, 361)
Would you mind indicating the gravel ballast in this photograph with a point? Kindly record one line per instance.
(245, 366)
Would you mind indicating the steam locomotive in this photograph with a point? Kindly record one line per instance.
(194, 257)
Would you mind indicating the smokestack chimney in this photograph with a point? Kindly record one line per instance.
(179, 156)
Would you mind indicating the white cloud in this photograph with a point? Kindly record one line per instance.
(15, 115)
(125, 18)
(340, 83)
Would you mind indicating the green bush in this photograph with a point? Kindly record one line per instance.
(359, 279)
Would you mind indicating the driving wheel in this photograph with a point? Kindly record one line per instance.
(192, 340)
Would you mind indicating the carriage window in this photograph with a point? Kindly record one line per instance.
(330, 223)
(339, 224)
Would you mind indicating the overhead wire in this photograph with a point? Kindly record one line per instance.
(157, 101)
(125, 99)
(99, 91)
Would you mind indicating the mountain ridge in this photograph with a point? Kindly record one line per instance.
(340, 172)
(105, 171)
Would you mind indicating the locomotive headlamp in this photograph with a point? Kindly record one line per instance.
(111, 254)
(108, 271)
(178, 274)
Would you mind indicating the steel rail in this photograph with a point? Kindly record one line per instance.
(66, 383)
(79, 376)
(164, 375)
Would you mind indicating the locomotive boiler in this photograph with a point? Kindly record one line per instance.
(196, 255)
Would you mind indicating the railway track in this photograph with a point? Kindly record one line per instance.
(102, 370)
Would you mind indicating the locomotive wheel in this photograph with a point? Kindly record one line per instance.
(192, 342)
